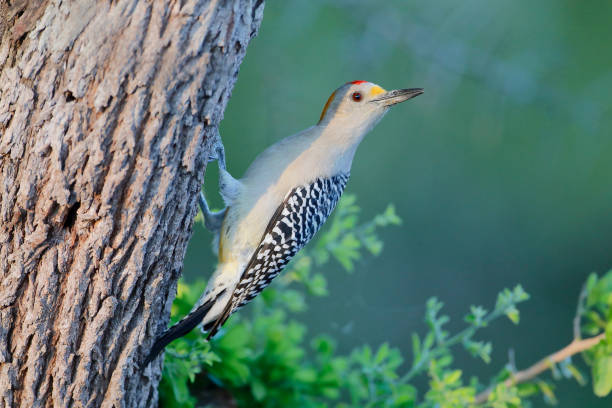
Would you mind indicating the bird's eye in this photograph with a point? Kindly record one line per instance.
(356, 96)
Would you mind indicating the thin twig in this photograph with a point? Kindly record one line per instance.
(575, 347)
(511, 360)
(579, 312)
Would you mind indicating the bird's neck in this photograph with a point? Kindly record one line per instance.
(340, 139)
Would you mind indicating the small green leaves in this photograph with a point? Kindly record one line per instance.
(513, 315)
(599, 290)
(436, 322)
(446, 389)
(388, 217)
(506, 397)
(345, 238)
(507, 300)
(324, 345)
(263, 359)
(318, 285)
(373, 377)
(476, 316)
(346, 251)
(437, 343)
(479, 349)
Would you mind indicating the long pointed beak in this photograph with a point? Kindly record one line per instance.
(397, 96)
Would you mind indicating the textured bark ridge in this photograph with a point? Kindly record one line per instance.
(108, 112)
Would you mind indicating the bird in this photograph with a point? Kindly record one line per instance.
(282, 200)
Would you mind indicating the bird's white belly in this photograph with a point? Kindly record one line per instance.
(252, 222)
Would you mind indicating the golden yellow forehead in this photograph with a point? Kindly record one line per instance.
(376, 90)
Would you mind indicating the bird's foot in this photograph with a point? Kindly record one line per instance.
(218, 155)
(212, 220)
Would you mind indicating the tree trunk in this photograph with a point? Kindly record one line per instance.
(108, 113)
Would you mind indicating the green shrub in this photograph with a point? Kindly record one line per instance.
(265, 360)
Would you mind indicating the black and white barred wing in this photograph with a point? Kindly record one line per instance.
(295, 222)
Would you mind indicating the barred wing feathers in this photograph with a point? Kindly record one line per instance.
(300, 215)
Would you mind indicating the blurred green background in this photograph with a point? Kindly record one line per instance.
(500, 170)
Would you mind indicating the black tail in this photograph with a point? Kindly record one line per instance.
(180, 329)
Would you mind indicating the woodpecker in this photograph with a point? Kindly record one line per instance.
(283, 199)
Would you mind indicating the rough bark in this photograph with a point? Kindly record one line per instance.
(108, 112)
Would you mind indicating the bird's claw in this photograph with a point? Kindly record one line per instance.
(219, 156)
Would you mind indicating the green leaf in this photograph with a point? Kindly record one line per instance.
(591, 282)
(479, 349)
(600, 291)
(575, 373)
(476, 316)
(602, 376)
(416, 346)
(292, 300)
(347, 251)
(318, 285)
(429, 341)
(383, 353)
(306, 375)
(452, 377)
(519, 294)
(324, 345)
(373, 244)
(547, 390)
(389, 217)
(258, 389)
(513, 315)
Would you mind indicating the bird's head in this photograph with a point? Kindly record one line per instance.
(361, 104)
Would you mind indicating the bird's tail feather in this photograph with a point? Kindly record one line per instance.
(180, 329)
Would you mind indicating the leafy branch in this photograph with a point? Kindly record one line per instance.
(547, 363)
(477, 318)
(263, 359)
(578, 345)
